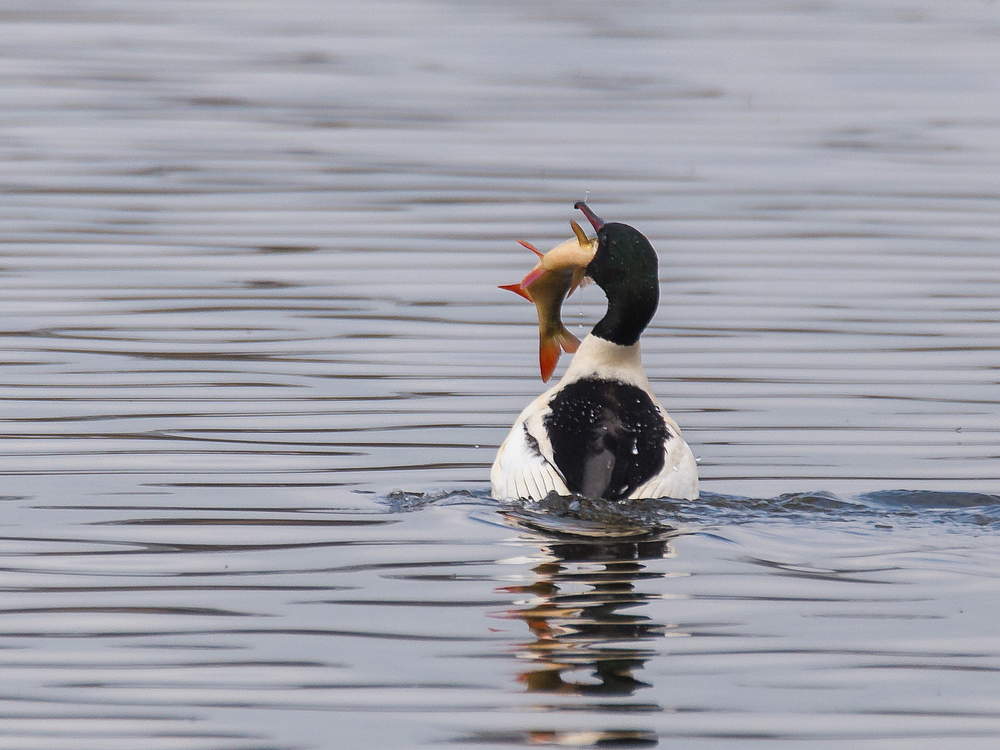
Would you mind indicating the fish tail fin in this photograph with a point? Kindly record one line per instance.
(551, 347)
(569, 342)
(548, 356)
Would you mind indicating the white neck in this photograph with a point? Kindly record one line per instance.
(597, 357)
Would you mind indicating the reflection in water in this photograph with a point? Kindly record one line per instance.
(589, 638)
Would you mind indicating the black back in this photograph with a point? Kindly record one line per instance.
(607, 437)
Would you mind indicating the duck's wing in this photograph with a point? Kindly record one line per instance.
(679, 476)
(524, 468)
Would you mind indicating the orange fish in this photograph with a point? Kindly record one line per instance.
(556, 275)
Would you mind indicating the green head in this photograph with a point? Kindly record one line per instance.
(625, 267)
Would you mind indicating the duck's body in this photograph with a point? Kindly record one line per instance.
(600, 432)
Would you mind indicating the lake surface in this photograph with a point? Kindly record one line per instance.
(255, 368)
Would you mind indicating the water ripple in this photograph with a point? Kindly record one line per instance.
(256, 367)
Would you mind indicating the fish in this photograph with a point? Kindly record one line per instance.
(558, 273)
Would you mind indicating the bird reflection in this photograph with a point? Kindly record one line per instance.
(588, 640)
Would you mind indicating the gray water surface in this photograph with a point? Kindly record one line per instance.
(255, 367)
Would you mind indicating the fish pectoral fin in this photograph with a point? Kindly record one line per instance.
(531, 247)
(533, 275)
(580, 280)
(517, 289)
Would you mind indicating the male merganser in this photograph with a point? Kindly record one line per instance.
(600, 432)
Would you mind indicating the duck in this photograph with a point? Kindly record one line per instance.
(600, 432)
